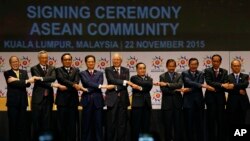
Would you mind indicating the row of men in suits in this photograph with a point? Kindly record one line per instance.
(117, 101)
(43, 77)
(218, 81)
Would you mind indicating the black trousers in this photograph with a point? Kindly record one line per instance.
(17, 123)
(41, 116)
(68, 119)
(140, 121)
(117, 122)
(172, 120)
(92, 123)
(215, 122)
(194, 123)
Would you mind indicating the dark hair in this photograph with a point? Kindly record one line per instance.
(89, 56)
(65, 55)
(13, 57)
(170, 61)
(217, 56)
(139, 64)
(192, 59)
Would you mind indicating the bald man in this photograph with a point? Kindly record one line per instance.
(17, 81)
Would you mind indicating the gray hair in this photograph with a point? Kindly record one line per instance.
(42, 52)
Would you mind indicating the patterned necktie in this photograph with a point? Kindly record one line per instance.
(117, 70)
(68, 70)
(44, 70)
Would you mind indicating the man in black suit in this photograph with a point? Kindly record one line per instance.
(67, 100)
(117, 99)
(141, 102)
(193, 102)
(172, 102)
(215, 100)
(92, 101)
(17, 80)
(42, 95)
(237, 102)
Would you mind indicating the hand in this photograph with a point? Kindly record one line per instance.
(130, 83)
(12, 79)
(156, 83)
(110, 87)
(210, 88)
(62, 87)
(242, 92)
(37, 78)
(137, 87)
(161, 84)
(185, 90)
(83, 89)
(230, 86)
(225, 85)
(30, 80)
(77, 87)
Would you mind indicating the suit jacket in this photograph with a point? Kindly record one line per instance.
(16, 90)
(115, 79)
(195, 96)
(68, 97)
(235, 99)
(92, 83)
(216, 83)
(142, 98)
(42, 87)
(170, 97)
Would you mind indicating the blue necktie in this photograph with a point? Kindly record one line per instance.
(237, 78)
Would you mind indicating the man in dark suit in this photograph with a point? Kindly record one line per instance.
(215, 100)
(67, 100)
(117, 99)
(42, 95)
(17, 80)
(193, 102)
(237, 102)
(141, 102)
(172, 102)
(92, 101)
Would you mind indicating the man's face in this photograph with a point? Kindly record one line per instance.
(90, 63)
(193, 65)
(67, 61)
(171, 67)
(236, 67)
(216, 62)
(14, 63)
(141, 70)
(117, 61)
(43, 59)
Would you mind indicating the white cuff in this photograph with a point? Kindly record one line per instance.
(125, 82)
(100, 86)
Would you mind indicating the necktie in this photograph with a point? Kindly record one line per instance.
(91, 73)
(44, 70)
(171, 75)
(193, 74)
(68, 70)
(118, 71)
(17, 74)
(237, 78)
(216, 73)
